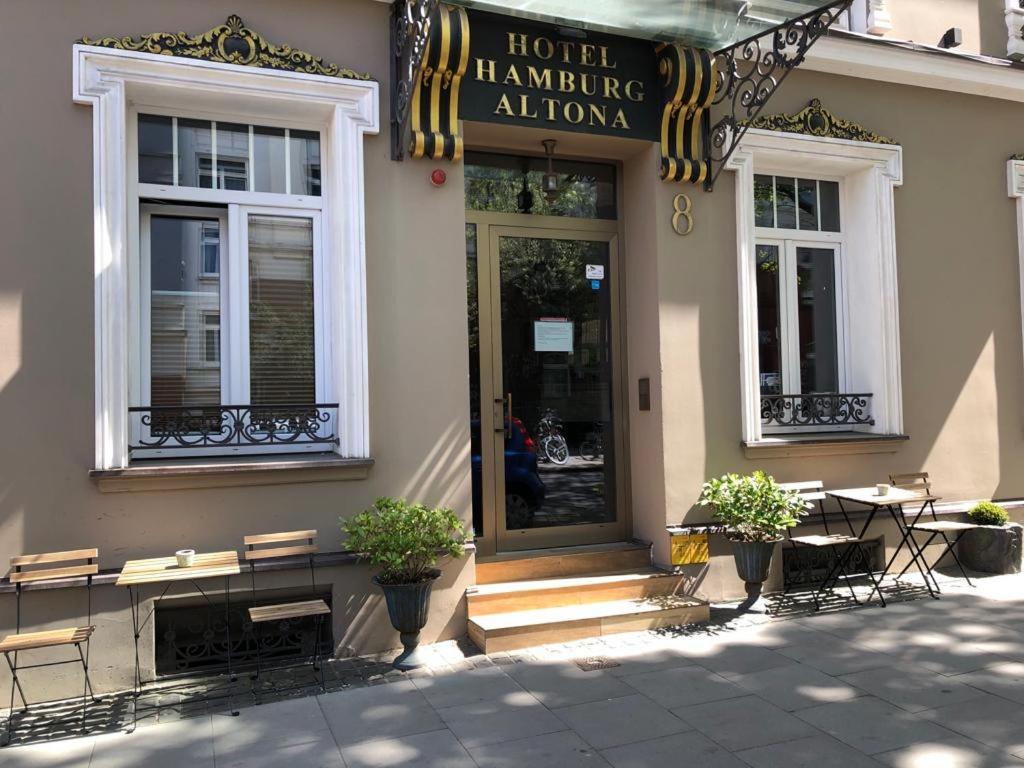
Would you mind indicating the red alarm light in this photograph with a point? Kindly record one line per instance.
(438, 177)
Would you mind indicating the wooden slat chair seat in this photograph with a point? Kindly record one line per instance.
(813, 496)
(30, 641)
(288, 611)
(286, 546)
(920, 483)
(52, 567)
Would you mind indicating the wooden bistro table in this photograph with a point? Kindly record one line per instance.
(137, 574)
(893, 503)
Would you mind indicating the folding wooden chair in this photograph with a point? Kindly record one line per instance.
(813, 495)
(21, 642)
(918, 483)
(285, 611)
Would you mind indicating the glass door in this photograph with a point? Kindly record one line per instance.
(547, 432)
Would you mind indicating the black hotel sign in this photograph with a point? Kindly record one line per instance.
(531, 75)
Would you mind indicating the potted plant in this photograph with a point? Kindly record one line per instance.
(756, 512)
(405, 541)
(994, 547)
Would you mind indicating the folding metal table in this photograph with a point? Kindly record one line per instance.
(893, 502)
(164, 570)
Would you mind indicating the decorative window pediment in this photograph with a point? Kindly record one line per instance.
(815, 120)
(229, 43)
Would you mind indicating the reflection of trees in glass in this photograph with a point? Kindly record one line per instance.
(498, 189)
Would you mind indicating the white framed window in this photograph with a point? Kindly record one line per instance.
(816, 256)
(801, 301)
(218, 252)
(267, 198)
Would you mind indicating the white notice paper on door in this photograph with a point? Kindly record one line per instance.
(552, 335)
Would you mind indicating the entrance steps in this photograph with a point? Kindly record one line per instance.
(572, 593)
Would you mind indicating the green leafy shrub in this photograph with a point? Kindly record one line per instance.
(404, 540)
(753, 507)
(987, 513)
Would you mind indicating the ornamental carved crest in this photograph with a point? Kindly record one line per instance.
(815, 120)
(230, 43)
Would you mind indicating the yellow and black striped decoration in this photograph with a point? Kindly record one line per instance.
(688, 88)
(435, 96)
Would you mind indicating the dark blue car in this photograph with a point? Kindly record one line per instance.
(524, 490)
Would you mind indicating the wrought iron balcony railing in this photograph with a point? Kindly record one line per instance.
(224, 426)
(818, 410)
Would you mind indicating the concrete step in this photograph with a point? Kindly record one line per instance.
(510, 596)
(521, 629)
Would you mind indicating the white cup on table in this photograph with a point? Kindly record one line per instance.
(882, 489)
(185, 557)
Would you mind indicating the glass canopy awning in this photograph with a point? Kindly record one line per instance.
(711, 24)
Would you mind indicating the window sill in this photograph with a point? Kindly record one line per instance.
(226, 473)
(822, 444)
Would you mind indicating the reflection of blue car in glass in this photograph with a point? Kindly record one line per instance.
(524, 490)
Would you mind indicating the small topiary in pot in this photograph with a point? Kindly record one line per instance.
(756, 513)
(988, 513)
(405, 542)
(994, 547)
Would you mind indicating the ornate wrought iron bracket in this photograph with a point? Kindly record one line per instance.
(230, 43)
(748, 73)
(430, 52)
(688, 86)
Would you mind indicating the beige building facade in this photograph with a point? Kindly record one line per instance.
(659, 380)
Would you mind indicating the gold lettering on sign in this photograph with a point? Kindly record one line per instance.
(517, 44)
(485, 70)
(512, 77)
(680, 212)
(504, 108)
(592, 97)
(537, 78)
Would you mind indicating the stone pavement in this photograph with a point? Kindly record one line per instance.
(919, 684)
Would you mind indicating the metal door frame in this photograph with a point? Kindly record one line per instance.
(490, 227)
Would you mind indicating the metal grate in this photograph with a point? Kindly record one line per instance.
(594, 663)
(192, 639)
(807, 566)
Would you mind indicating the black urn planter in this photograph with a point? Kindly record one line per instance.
(408, 606)
(991, 548)
(753, 560)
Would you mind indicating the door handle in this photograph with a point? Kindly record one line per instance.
(499, 414)
(508, 415)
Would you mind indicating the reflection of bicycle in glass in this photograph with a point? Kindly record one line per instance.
(592, 446)
(551, 443)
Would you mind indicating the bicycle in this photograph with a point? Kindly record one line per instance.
(551, 443)
(592, 446)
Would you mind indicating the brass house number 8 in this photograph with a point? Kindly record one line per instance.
(682, 215)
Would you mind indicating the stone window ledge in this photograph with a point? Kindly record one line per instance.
(822, 444)
(226, 473)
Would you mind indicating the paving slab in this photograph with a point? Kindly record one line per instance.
(836, 657)
(321, 752)
(516, 716)
(812, 752)
(912, 688)
(186, 742)
(871, 725)
(450, 689)
(553, 750)
(624, 720)
(796, 686)
(436, 749)
(684, 686)
(562, 684)
(684, 749)
(738, 724)
(991, 720)
(376, 712)
(65, 753)
(1006, 680)
(955, 752)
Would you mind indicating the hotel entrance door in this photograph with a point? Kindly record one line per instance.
(543, 354)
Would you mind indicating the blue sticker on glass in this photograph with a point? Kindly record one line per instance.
(595, 285)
